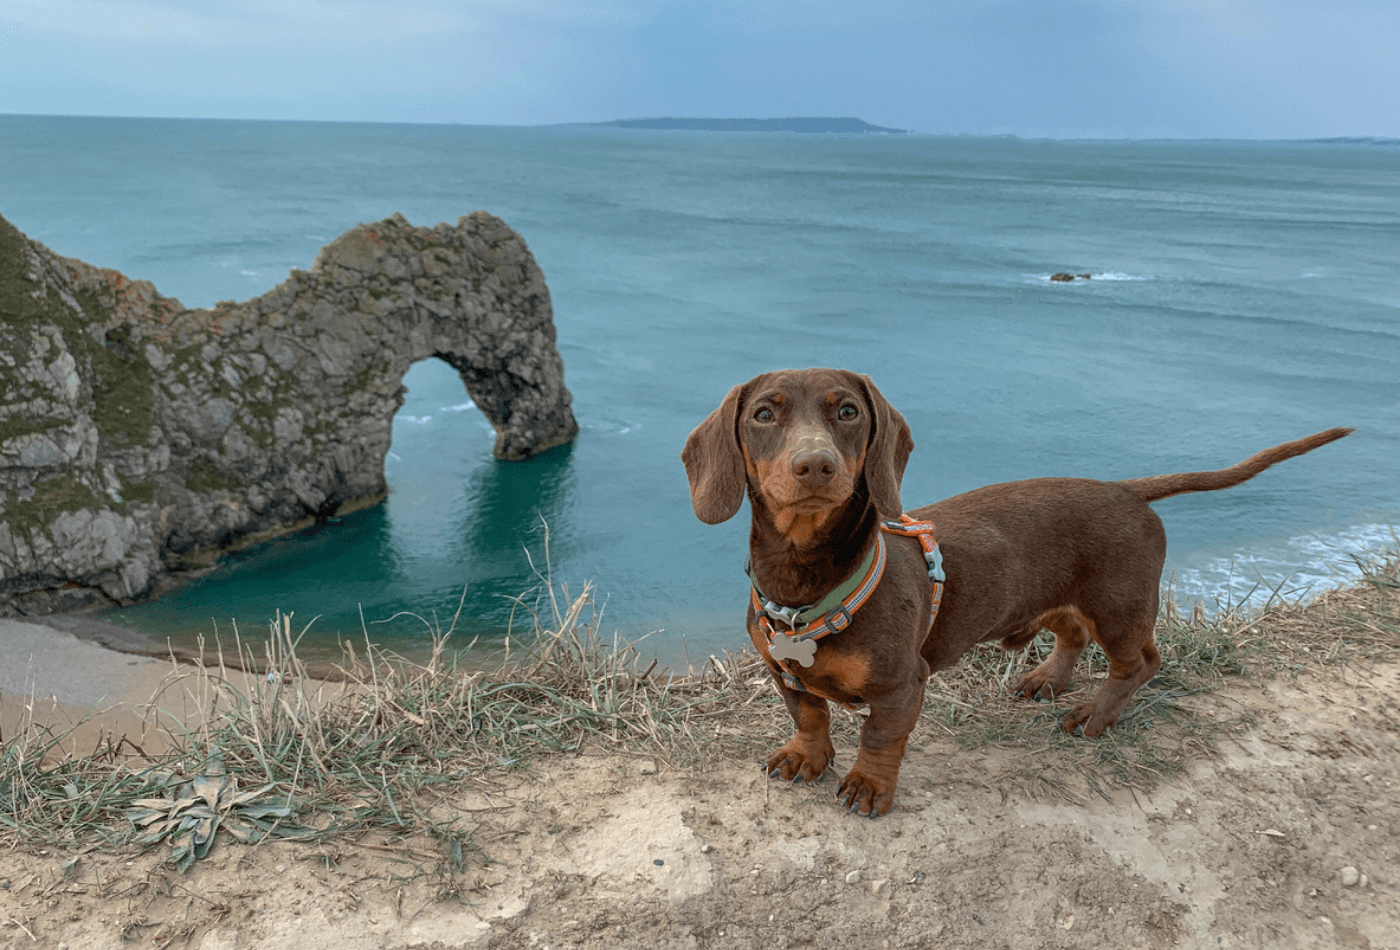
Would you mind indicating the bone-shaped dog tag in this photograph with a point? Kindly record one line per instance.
(789, 648)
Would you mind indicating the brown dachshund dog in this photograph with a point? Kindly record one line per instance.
(821, 454)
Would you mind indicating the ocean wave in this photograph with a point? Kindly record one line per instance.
(414, 420)
(460, 407)
(1298, 567)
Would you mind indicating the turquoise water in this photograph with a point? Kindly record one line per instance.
(1244, 294)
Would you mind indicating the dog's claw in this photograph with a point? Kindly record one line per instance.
(774, 773)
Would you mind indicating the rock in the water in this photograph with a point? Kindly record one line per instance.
(139, 437)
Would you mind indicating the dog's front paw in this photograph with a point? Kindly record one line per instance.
(868, 794)
(800, 760)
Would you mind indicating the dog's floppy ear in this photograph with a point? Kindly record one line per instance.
(714, 464)
(887, 452)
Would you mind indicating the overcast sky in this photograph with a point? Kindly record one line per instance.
(1137, 68)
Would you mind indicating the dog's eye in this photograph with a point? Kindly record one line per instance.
(847, 413)
(764, 415)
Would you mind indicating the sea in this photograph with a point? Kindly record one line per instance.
(1241, 294)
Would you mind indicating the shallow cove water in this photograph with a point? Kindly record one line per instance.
(1242, 294)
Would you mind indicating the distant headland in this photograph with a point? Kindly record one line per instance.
(795, 124)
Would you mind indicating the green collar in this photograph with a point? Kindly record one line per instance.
(835, 599)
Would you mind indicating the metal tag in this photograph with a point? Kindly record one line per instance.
(790, 648)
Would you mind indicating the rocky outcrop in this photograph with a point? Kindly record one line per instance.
(140, 438)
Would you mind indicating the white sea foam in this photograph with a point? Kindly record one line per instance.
(414, 420)
(248, 273)
(460, 407)
(611, 427)
(1302, 565)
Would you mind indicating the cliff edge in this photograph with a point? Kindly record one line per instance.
(140, 438)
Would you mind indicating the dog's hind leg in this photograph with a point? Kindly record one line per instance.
(1132, 661)
(1072, 631)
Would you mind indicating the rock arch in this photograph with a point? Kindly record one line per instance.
(139, 437)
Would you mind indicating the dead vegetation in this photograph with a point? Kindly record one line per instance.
(368, 757)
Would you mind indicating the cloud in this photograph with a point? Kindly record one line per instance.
(246, 24)
(1275, 68)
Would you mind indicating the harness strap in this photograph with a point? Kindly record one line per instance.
(834, 612)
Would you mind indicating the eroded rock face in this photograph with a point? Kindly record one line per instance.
(139, 437)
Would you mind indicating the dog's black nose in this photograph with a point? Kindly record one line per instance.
(814, 468)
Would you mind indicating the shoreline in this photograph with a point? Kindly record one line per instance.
(53, 678)
(82, 662)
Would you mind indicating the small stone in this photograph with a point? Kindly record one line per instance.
(648, 767)
(658, 862)
(853, 877)
(1350, 876)
(878, 888)
(706, 848)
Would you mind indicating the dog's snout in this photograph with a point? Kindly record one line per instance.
(814, 468)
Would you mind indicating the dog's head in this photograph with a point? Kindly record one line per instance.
(804, 441)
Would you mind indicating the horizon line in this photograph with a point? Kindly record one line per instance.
(1039, 136)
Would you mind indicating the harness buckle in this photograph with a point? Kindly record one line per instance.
(934, 557)
(787, 615)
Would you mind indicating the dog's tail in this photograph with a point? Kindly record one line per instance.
(1164, 486)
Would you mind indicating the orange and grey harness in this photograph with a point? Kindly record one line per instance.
(834, 612)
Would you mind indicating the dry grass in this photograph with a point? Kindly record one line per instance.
(287, 755)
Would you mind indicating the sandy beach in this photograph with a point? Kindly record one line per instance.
(50, 660)
(51, 675)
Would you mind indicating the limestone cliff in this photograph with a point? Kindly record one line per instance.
(139, 437)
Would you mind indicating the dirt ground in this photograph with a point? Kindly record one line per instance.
(1286, 838)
